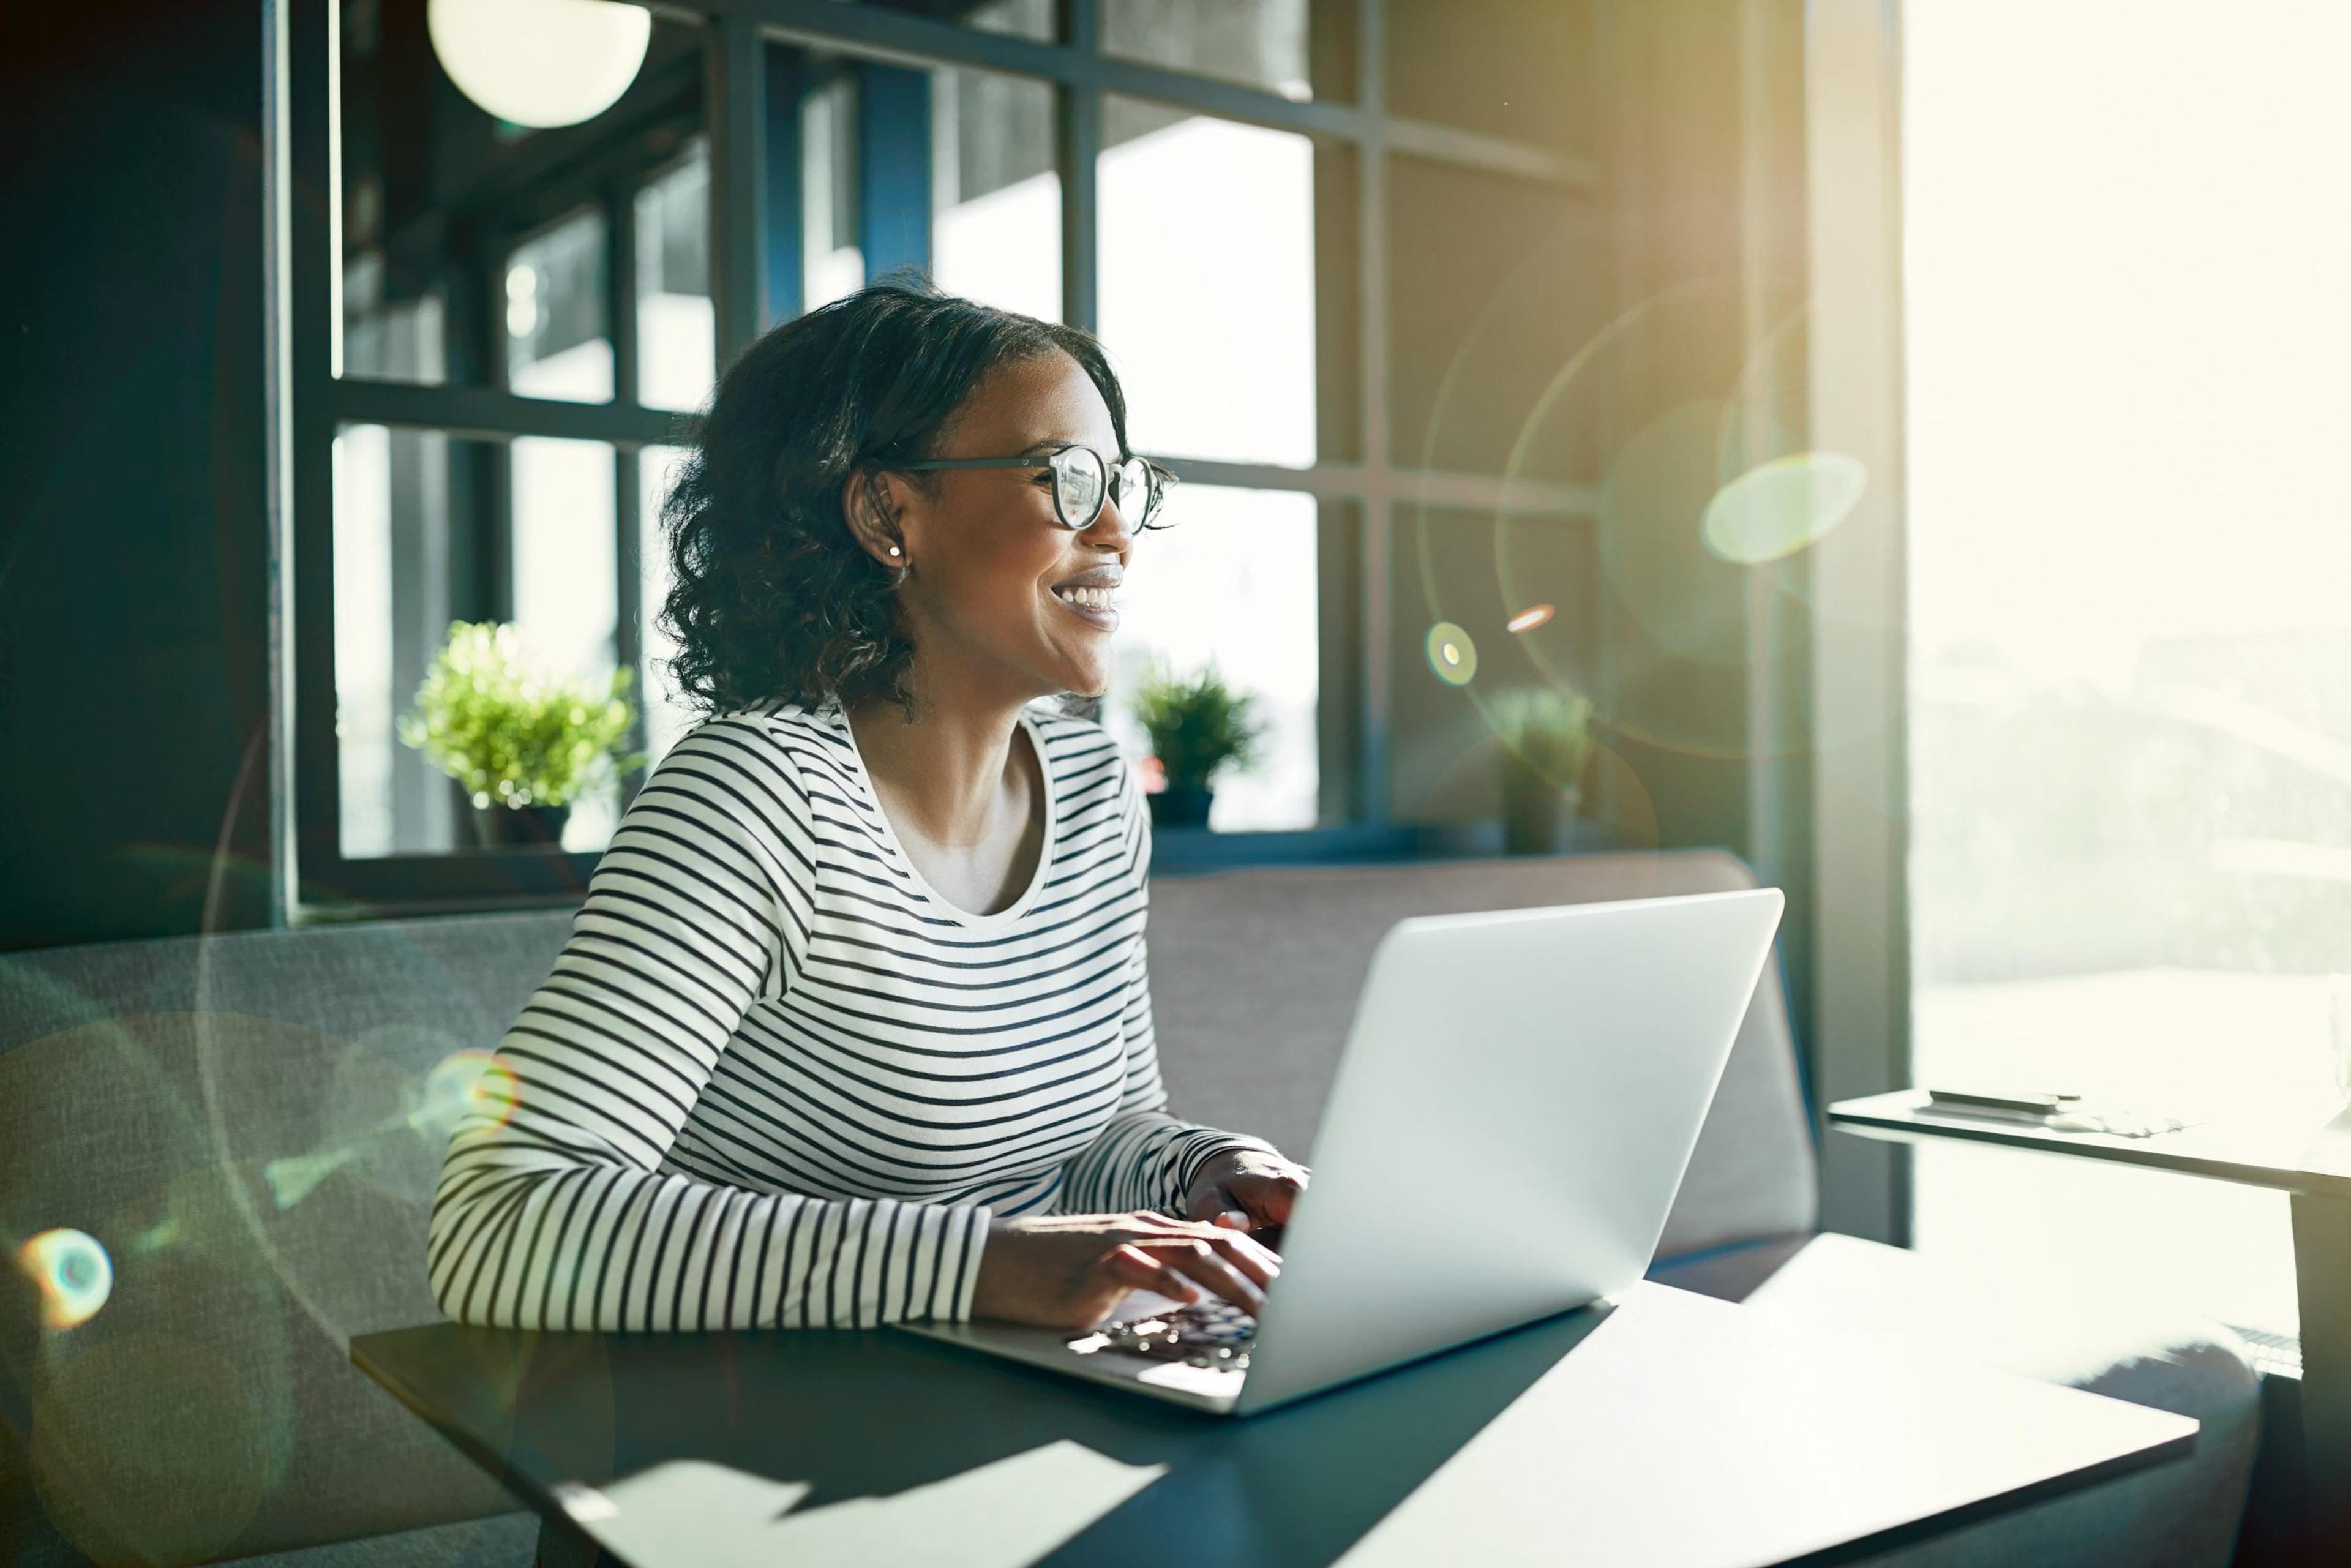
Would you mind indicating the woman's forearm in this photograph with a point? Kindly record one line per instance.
(530, 1237)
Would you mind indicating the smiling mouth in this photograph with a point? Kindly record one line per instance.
(1085, 598)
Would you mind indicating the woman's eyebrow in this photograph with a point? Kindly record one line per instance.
(1051, 444)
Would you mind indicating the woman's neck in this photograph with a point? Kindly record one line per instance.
(950, 773)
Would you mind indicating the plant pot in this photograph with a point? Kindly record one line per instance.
(1532, 807)
(1181, 805)
(512, 827)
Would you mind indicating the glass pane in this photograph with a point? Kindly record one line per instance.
(1022, 18)
(1207, 283)
(387, 338)
(1501, 68)
(565, 597)
(676, 331)
(413, 553)
(948, 169)
(435, 193)
(1261, 43)
(1234, 583)
(402, 526)
(667, 717)
(390, 491)
(833, 262)
(995, 209)
(2130, 678)
(557, 344)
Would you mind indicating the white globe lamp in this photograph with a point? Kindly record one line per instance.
(540, 62)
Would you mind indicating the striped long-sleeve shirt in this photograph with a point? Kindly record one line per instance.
(774, 1079)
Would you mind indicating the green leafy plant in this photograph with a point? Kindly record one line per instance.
(1196, 725)
(1547, 731)
(512, 734)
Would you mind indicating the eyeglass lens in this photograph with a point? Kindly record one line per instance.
(1078, 485)
(1132, 492)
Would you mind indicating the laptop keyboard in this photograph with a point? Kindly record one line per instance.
(1213, 1333)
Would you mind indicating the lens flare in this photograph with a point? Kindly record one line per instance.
(73, 1272)
(291, 1179)
(1451, 655)
(1527, 620)
(155, 1238)
(1776, 509)
(465, 1083)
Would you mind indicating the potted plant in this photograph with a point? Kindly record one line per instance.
(524, 742)
(1196, 727)
(1546, 737)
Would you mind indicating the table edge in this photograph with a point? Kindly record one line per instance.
(1898, 1125)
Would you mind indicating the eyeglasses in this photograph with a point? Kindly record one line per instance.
(1082, 481)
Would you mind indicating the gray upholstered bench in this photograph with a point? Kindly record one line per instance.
(238, 1120)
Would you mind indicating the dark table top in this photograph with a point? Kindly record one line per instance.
(1663, 1428)
(2295, 1151)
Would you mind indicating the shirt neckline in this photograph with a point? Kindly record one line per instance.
(838, 716)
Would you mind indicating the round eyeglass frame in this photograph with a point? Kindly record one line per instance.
(1079, 472)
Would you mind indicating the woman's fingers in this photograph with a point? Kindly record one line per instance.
(1203, 1262)
(1259, 1262)
(1136, 1268)
(1247, 1253)
(1184, 1261)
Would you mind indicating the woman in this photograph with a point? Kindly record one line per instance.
(855, 1024)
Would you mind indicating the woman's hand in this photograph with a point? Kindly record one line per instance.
(1244, 1190)
(1069, 1270)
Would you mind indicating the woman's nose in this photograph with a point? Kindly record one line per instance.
(1109, 529)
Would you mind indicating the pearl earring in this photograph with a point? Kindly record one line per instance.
(893, 549)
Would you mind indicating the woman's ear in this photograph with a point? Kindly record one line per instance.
(872, 506)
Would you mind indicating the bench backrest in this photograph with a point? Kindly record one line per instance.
(229, 1117)
(237, 1120)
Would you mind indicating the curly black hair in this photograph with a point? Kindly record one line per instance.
(772, 598)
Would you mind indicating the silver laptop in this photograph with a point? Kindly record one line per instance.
(1518, 1100)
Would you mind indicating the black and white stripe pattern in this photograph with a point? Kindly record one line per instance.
(775, 1080)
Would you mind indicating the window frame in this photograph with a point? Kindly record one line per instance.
(755, 281)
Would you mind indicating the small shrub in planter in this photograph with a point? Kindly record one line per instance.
(1197, 727)
(1546, 737)
(525, 744)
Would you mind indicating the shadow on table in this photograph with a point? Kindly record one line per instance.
(880, 1446)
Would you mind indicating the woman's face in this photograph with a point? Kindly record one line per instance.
(994, 580)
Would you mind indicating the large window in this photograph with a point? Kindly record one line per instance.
(501, 333)
(2129, 305)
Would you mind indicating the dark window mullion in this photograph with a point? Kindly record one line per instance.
(621, 310)
(310, 70)
(1078, 140)
(1374, 565)
(629, 652)
(619, 203)
(739, 183)
(482, 526)
(788, 83)
(483, 413)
